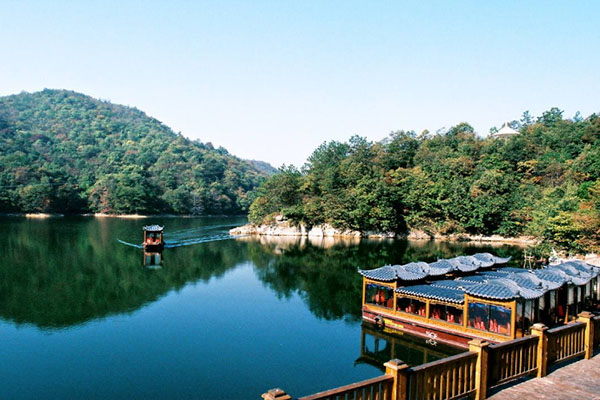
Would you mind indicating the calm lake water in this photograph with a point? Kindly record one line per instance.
(81, 317)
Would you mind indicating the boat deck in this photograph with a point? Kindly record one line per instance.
(577, 381)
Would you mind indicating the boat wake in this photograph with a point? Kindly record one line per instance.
(188, 237)
(139, 246)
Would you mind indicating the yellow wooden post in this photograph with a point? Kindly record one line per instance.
(276, 394)
(586, 317)
(542, 351)
(397, 369)
(481, 370)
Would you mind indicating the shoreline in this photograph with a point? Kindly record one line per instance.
(284, 229)
(104, 215)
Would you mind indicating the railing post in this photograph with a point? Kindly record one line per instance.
(481, 371)
(542, 350)
(586, 317)
(397, 369)
(276, 394)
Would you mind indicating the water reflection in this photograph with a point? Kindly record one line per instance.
(153, 260)
(324, 273)
(62, 272)
(378, 347)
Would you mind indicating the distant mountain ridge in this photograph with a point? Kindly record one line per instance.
(66, 152)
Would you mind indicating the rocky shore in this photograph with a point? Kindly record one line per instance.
(283, 227)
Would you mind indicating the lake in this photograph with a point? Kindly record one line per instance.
(82, 317)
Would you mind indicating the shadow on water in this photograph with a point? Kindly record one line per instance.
(63, 272)
(378, 347)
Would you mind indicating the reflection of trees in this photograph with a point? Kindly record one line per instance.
(56, 277)
(326, 277)
(62, 272)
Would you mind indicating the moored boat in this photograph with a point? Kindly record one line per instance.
(456, 300)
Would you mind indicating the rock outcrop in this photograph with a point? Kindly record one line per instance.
(283, 227)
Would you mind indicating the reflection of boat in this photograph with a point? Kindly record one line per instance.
(497, 305)
(153, 260)
(378, 347)
(153, 237)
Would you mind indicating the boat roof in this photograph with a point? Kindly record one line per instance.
(503, 284)
(153, 228)
(451, 295)
(420, 270)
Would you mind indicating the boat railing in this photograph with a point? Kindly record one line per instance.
(484, 366)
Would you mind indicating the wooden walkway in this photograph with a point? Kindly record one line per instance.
(577, 381)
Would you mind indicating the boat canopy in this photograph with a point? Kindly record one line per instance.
(506, 283)
(153, 228)
(420, 270)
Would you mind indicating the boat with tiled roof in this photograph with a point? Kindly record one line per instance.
(153, 237)
(465, 297)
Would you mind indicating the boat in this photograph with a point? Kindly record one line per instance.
(459, 299)
(153, 237)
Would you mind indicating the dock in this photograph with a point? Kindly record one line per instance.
(560, 360)
(576, 381)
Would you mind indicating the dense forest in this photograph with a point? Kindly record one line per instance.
(544, 181)
(65, 152)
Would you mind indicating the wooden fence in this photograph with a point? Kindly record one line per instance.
(379, 388)
(566, 342)
(512, 359)
(449, 378)
(473, 372)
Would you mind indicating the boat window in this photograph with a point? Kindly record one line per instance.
(571, 296)
(411, 306)
(479, 316)
(382, 296)
(491, 318)
(446, 313)
(437, 311)
(500, 320)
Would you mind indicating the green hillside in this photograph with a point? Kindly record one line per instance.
(65, 152)
(544, 181)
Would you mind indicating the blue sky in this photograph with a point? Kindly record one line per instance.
(271, 80)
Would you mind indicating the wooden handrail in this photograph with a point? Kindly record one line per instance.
(566, 342)
(449, 378)
(513, 343)
(512, 359)
(567, 327)
(340, 391)
(443, 361)
(474, 371)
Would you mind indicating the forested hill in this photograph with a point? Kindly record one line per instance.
(544, 181)
(65, 152)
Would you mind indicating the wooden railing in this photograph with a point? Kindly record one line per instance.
(566, 342)
(449, 378)
(379, 388)
(511, 360)
(473, 372)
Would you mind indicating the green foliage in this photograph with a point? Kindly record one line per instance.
(65, 152)
(542, 182)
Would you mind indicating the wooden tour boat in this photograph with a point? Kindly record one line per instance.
(458, 299)
(153, 237)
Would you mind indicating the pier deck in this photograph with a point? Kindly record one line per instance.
(577, 381)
